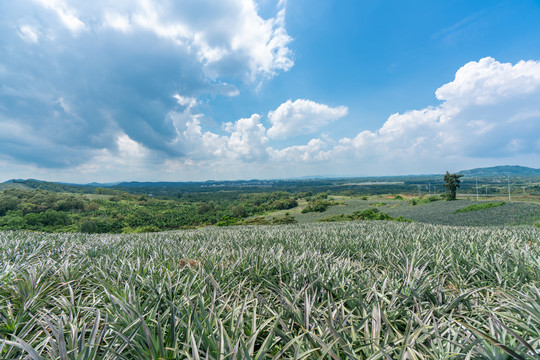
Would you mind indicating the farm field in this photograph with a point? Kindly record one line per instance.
(436, 212)
(355, 290)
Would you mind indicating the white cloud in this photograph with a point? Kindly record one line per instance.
(29, 33)
(313, 150)
(488, 81)
(117, 22)
(98, 68)
(301, 116)
(247, 140)
(202, 145)
(223, 36)
(490, 111)
(128, 157)
(185, 100)
(67, 15)
(524, 116)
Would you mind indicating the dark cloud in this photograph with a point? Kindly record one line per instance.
(71, 79)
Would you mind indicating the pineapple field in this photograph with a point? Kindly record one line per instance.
(353, 290)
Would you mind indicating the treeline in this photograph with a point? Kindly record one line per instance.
(113, 211)
(420, 185)
(38, 201)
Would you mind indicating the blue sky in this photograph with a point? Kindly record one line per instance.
(241, 89)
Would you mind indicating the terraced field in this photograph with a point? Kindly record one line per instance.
(355, 290)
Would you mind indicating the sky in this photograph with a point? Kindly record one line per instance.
(193, 90)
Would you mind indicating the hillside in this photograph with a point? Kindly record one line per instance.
(11, 185)
(506, 170)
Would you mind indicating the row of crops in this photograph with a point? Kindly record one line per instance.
(438, 212)
(357, 290)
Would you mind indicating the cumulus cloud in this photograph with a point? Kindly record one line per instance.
(79, 74)
(244, 140)
(248, 140)
(488, 81)
(302, 116)
(491, 110)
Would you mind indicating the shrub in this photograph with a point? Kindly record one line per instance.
(96, 226)
(477, 207)
(239, 211)
(318, 206)
(147, 229)
(92, 206)
(227, 221)
(426, 199)
(259, 220)
(371, 214)
(368, 214)
(322, 196)
(283, 204)
(335, 218)
(54, 218)
(285, 219)
(89, 227)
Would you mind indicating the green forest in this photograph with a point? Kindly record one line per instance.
(124, 213)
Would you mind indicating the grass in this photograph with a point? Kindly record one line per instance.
(355, 290)
(481, 206)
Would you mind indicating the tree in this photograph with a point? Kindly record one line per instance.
(452, 182)
(239, 211)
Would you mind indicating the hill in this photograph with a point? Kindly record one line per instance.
(12, 185)
(30, 184)
(506, 170)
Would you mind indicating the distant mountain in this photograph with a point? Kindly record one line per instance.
(96, 184)
(506, 170)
